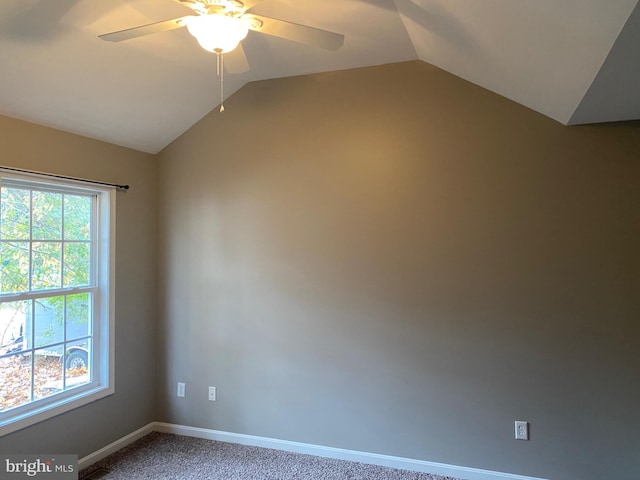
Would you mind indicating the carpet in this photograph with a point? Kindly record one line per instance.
(175, 457)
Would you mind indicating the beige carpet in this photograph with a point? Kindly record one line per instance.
(174, 457)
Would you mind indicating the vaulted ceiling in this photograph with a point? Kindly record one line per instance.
(576, 61)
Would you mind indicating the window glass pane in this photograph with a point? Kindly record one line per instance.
(15, 380)
(46, 265)
(77, 217)
(14, 214)
(49, 321)
(46, 216)
(77, 364)
(78, 316)
(12, 328)
(14, 267)
(47, 372)
(76, 264)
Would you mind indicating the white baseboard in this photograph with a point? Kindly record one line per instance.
(113, 447)
(463, 473)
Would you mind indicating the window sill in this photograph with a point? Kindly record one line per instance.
(11, 422)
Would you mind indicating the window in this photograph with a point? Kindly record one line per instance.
(56, 297)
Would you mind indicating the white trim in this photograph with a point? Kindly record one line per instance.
(106, 262)
(464, 473)
(113, 447)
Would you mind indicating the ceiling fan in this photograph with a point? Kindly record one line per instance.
(220, 25)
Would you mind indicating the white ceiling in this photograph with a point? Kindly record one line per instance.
(576, 61)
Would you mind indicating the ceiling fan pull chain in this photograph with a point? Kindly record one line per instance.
(220, 71)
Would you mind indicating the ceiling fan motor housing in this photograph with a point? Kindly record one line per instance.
(206, 7)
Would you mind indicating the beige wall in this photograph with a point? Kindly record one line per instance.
(396, 261)
(89, 428)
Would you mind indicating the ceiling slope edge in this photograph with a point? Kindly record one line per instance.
(498, 46)
(614, 94)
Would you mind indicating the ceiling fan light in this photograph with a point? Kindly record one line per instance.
(217, 33)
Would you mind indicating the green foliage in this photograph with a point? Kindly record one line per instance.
(76, 264)
(14, 214)
(14, 264)
(45, 240)
(77, 224)
(46, 216)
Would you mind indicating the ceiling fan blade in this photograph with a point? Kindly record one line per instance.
(236, 61)
(249, 4)
(144, 30)
(297, 33)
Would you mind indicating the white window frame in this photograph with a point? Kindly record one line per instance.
(103, 316)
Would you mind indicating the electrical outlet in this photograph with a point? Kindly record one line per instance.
(212, 394)
(522, 430)
(181, 389)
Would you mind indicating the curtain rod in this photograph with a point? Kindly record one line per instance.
(120, 187)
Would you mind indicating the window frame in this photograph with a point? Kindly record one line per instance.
(102, 359)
